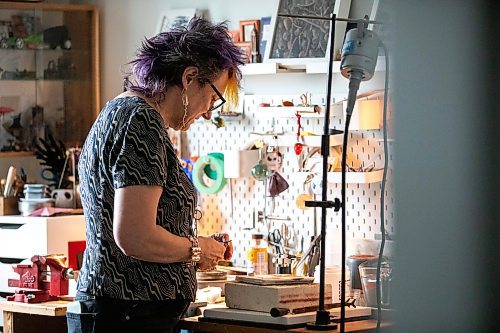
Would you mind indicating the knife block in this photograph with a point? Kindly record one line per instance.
(9, 206)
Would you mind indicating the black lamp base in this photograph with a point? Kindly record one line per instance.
(322, 322)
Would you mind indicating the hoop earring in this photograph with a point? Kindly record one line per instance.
(185, 102)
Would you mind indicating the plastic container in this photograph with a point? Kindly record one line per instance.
(368, 274)
(333, 276)
(257, 256)
(353, 262)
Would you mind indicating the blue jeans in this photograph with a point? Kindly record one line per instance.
(101, 314)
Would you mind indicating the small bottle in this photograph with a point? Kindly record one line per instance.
(257, 256)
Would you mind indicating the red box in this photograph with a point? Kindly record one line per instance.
(75, 254)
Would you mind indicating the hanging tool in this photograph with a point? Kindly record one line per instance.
(275, 238)
(286, 234)
(311, 256)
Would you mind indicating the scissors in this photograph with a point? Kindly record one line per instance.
(275, 239)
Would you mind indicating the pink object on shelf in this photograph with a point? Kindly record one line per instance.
(50, 211)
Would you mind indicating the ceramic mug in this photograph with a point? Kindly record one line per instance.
(63, 198)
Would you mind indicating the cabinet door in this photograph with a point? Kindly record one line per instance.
(48, 73)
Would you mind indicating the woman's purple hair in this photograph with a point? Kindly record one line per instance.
(162, 59)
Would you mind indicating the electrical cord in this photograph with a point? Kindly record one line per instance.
(343, 200)
(382, 189)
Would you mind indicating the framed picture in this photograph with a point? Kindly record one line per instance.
(174, 18)
(246, 47)
(296, 41)
(235, 35)
(246, 28)
(264, 36)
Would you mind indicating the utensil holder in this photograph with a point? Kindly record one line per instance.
(8, 206)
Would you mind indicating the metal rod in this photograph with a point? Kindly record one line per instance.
(322, 316)
(277, 218)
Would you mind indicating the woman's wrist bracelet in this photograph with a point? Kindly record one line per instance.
(195, 251)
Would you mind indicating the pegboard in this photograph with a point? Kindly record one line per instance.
(233, 209)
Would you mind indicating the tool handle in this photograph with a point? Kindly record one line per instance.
(278, 312)
(9, 182)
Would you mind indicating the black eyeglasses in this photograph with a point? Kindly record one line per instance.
(218, 103)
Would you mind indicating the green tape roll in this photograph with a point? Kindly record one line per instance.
(212, 174)
(216, 165)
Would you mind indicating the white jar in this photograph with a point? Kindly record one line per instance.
(333, 276)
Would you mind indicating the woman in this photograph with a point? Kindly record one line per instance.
(138, 272)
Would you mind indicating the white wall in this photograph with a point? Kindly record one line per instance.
(124, 24)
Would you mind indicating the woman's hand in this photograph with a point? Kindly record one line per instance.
(224, 238)
(211, 252)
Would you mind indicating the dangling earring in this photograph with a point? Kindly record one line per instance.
(185, 102)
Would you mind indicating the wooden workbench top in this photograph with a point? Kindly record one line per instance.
(192, 323)
(52, 308)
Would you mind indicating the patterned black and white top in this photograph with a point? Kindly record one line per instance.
(128, 145)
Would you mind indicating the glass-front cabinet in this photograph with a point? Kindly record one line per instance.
(49, 85)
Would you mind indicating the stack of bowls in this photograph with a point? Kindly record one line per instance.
(36, 196)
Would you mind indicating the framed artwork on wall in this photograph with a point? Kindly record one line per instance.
(296, 41)
(246, 28)
(174, 18)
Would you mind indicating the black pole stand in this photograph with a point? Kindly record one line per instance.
(323, 322)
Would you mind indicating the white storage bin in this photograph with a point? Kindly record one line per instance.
(333, 277)
(22, 240)
(23, 237)
(239, 163)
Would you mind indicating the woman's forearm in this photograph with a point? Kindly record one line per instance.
(135, 230)
(157, 245)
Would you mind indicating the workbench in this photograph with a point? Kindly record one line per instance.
(29, 318)
(195, 325)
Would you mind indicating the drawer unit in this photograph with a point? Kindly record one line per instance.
(23, 237)
(6, 273)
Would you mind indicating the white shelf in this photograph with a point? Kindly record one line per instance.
(289, 140)
(19, 219)
(351, 177)
(289, 111)
(322, 67)
(270, 68)
(318, 67)
(282, 140)
(315, 140)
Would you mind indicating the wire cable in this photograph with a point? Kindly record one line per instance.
(343, 200)
(382, 189)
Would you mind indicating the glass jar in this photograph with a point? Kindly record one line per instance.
(257, 256)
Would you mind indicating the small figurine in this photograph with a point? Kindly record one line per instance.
(14, 128)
